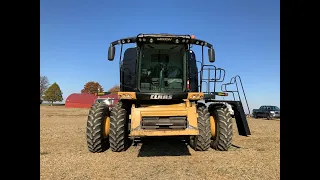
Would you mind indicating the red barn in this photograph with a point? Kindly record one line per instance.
(83, 100)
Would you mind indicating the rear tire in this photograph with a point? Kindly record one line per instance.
(118, 137)
(223, 139)
(201, 142)
(96, 140)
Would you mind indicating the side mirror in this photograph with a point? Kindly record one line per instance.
(211, 55)
(111, 53)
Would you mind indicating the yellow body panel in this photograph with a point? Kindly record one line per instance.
(186, 109)
(127, 95)
(164, 132)
(195, 95)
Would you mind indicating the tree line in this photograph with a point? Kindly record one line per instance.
(52, 93)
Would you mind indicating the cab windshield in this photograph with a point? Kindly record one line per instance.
(162, 68)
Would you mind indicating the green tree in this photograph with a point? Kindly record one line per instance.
(53, 94)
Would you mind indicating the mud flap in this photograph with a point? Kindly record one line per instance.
(241, 119)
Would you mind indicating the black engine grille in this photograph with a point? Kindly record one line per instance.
(176, 122)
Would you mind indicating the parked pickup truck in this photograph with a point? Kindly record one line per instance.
(268, 112)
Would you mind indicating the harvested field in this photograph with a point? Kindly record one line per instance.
(64, 154)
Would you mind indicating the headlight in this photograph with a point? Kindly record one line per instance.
(109, 101)
(272, 112)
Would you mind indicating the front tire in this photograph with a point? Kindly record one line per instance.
(97, 141)
(118, 137)
(201, 142)
(223, 123)
(269, 117)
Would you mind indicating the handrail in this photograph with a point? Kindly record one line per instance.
(233, 80)
(218, 76)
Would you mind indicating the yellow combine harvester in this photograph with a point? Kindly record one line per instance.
(159, 96)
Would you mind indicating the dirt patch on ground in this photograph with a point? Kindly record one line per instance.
(64, 154)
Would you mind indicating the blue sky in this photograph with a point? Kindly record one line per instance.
(75, 36)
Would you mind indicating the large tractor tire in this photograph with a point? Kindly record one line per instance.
(201, 142)
(221, 128)
(98, 123)
(119, 138)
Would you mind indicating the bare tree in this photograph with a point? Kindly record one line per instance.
(44, 84)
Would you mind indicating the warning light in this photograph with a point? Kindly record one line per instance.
(102, 93)
(221, 94)
(193, 36)
(188, 85)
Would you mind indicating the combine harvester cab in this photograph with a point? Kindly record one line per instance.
(160, 96)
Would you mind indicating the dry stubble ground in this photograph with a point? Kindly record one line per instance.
(64, 154)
